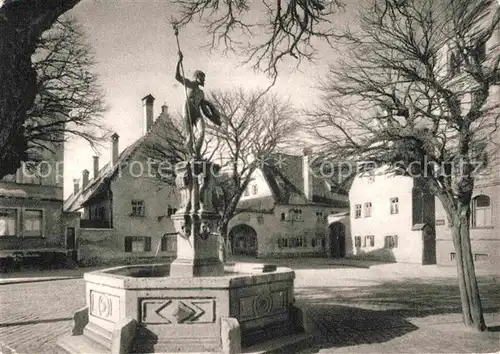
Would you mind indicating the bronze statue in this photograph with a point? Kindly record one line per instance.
(195, 107)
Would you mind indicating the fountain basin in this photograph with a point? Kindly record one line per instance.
(142, 309)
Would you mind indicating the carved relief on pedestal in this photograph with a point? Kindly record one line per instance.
(265, 304)
(178, 310)
(104, 306)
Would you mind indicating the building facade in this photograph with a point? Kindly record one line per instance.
(32, 220)
(485, 206)
(392, 218)
(284, 210)
(125, 208)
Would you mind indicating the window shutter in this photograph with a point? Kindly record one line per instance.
(163, 246)
(147, 244)
(128, 244)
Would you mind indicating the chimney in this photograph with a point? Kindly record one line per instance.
(96, 166)
(85, 178)
(114, 149)
(306, 173)
(164, 109)
(147, 105)
(76, 185)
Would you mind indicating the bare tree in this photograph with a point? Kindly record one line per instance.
(166, 146)
(69, 101)
(21, 24)
(415, 92)
(254, 126)
(288, 28)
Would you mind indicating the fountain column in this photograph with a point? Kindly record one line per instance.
(196, 223)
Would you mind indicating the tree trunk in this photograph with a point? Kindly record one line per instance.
(469, 291)
(21, 24)
(223, 231)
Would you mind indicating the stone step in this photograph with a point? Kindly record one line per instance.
(80, 344)
(98, 335)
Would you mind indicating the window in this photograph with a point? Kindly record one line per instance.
(297, 242)
(394, 206)
(357, 241)
(32, 222)
(8, 222)
(369, 241)
(137, 244)
(283, 216)
(313, 242)
(169, 242)
(452, 256)
(481, 211)
(260, 219)
(282, 242)
(247, 192)
(295, 214)
(255, 189)
(138, 208)
(368, 209)
(170, 211)
(319, 216)
(357, 211)
(391, 241)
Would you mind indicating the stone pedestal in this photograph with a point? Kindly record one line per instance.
(196, 223)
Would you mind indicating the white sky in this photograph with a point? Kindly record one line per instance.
(136, 51)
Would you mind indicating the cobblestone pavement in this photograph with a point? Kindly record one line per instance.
(383, 309)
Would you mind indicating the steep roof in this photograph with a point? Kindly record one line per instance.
(285, 177)
(100, 183)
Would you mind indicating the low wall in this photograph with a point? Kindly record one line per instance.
(486, 253)
(98, 244)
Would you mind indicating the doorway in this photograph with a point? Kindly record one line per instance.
(243, 240)
(71, 243)
(429, 241)
(337, 240)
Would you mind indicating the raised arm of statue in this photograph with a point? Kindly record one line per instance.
(178, 75)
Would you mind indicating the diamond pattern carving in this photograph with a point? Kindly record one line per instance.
(174, 311)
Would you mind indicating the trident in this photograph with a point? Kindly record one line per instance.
(188, 121)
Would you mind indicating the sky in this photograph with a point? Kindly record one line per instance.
(136, 54)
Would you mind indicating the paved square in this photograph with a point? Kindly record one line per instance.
(387, 308)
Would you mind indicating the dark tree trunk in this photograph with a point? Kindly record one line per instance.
(226, 217)
(21, 24)
(469, 291)
(223, 231)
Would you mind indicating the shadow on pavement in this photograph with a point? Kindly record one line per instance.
(31, 322)
(346, 316)
(336, 326)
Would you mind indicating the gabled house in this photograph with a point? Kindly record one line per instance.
(125, 208)
(284, 210)
(32, 221)
(392, 218)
